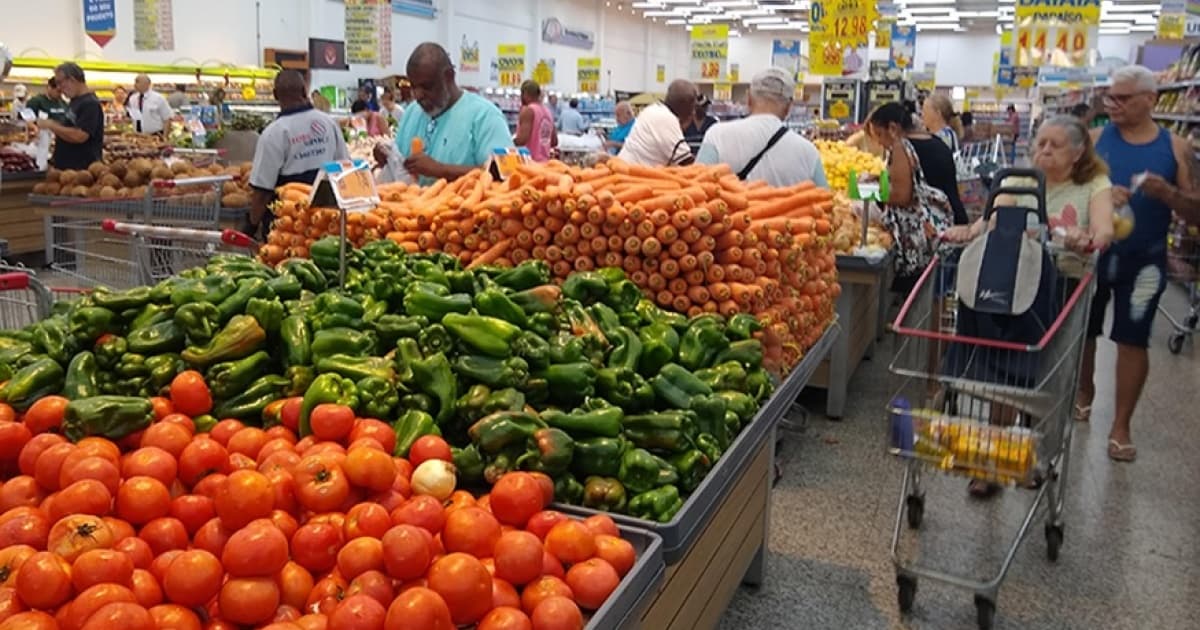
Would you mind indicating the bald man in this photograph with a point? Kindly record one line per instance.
(458, 129)
(657, 136)
(148, 109)
(290, 150)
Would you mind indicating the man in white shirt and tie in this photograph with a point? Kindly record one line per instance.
(149, 110)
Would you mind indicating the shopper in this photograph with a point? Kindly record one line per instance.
(389, 107)
(572, 121)
(535, 126)
(616, 138)
(80, 136)
(149, 110)
(116, 107)
(939, 118)
(702, 121)
(923, 198)
(458, 129)
(1132, 272)
(320, 102)
(20, 94)
(291, 149)
(1013, 120)
(366, 120)
(657, 136)
(51, 103)
(178, 98)
(968, 127)
(555, 107)
(760, 146)
(366, 94)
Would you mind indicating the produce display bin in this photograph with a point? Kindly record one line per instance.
(862, 311)
(681, 532)
(624, 607)
(22, 227)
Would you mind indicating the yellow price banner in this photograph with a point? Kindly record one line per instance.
(510, 62)
(1172, 19)
(588, 74)
(824, 55)
(722, 91)
(847, 22)
(660, 73)
(543, 72)
(1055, 32)
(709, 51)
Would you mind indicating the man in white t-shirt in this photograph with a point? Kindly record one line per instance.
(657, 136)
(290, 150)
(149, 110)
(760, 146)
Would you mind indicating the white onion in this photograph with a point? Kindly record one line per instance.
(435, 478)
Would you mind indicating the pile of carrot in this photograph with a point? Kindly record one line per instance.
(695, 238)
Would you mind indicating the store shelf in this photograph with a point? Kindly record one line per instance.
(1179, 85)
(1186, 118)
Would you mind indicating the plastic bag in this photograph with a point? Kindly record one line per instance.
(393, 170)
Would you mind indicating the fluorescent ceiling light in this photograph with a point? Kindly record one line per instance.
(790, 26)
(1130, 8)
(978, 14)
(728, 5)
(676, 22)
(764, 20)
(1113, 31)
(927, 10)
(939, 27)
(909, 3)
(647, 5)
(1143, 28)
(933, 19)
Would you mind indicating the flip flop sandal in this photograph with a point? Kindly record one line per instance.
(1121, 452)
(1083, 413)
(981, 489)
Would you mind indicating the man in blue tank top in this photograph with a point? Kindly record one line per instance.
(1132, 273)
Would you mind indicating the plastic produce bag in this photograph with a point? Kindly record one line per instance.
(393, 168)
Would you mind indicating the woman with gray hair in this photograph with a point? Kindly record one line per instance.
(760, 146)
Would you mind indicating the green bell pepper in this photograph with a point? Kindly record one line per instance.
(42, 377)
(585, 287)
(727, 375)
(391, 328)
(639, 470)
(533, 348)
(659, 504)
(407, 352)
(332, 309)
(53, 337)
(598, 456)
(421, 402)
(759, 384)
(468, 464)
(660, 344)
(87, 323)
(469, 407)
(435, 338)
(710, 418)
(109, 350)
(268, 313)
(511, 372)
(499, 465)
(742, 326)
(377, 398)
(566, 348)
(627, 349)
(623, 295)
(570, 382)
(347, 341)
(549, 451)
(742, 405)
(163, 369)
(507, 399)
(605, 494)
(150, 315)
(296, 339)
(373, 309)
(306, 271)
(494, 303)
(326, 253)
(528, 274)
(652, 314)
(242, 336)
(461, 281)
(299, 377)
(582, 325)
(199, 321)
(536, 390)
(357, 368)
(495, 432)
(230, 378)
(235, 304)
(434, 376)
(119, 301)
(81, 379)
(249, 404)
(748, 352)
(112, 417)
(285, 286)
(567, 489)
(624, 388)
(410, 426)
(326, 388)
(435, 307)
(487, 335)
(165, 336)
(708, 445)
(605, 422)
(663, 431)
(212, 289)
(675, 386)
(539, 299)
(692, 466)
(701, 344)
(606, 319)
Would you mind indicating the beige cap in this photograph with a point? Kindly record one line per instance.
(773, 83)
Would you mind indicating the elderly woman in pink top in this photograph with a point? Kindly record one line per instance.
(535, 127)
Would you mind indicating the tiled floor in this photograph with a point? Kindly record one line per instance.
(1131, 557)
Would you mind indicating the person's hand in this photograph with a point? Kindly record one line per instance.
(380, 154)
(1077, 240)
(423, 165)
(1120, 196)
(1157, 188)
(957, 234)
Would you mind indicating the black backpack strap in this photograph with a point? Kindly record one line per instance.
(745, 172)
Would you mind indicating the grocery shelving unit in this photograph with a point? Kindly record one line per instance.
(1178, 107)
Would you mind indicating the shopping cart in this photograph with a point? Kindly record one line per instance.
(976, 163)
(983, 409)
(79, 247)
(24, 299)
(160, 252)
(1183, 267)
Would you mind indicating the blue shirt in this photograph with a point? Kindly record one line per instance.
(620, 132)
(572, 121)
(1151, 218)
(463, 135)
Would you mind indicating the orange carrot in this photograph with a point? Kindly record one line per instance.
(492, 253)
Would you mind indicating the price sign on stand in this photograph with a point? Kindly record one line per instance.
(352, 188)
(709, 51)
(1054, 32)
(510, 61)
(589, 74)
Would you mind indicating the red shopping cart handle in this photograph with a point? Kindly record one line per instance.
(109, 225)
(13, 281)
(236, 238)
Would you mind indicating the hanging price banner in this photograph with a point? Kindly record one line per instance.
(1172, 19)
(847, 22)
(710, 51)
(510, 62)
(589, 74)
(1055, 32)
(824, 55)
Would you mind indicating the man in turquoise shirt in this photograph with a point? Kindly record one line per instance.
(458, 129)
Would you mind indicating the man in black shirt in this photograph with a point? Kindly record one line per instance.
(80, 136)
(701, 121)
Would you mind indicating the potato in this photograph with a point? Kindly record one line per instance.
(79, 191)
(67, 178)
(110, 179)
(97, 169)
(119, 168)
(39, 188)
(216, 169)
(108, 192)
(229, 188)
(181, 167)
(142, 166)
(132, 179)
(208, 199)
(53, 188)
(84, 178)
(52, 174)
(235, 200)
(161, 172)
(94, 190)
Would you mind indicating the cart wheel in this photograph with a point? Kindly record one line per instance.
(1054, 541)
(1175, 343)
(907, 592)
(985, 612)
(1191, 321)
(915, 509)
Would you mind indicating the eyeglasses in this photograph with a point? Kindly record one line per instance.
(1120, 99)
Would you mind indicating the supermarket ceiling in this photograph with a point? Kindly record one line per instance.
(743, 16)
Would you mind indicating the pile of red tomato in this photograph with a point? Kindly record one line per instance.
(246, 527)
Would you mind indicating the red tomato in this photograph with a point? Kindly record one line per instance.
(601, 524)
(246, 495)
(419, 608)
(86, 496)
(504, 594)
(181, 420)
(429, 447)
(248, 441)
(407, 552)
(369, 468)
(45, 414)
(162, 407)
(616, 551)
(289, 415)
(273, 446)
(120, 529)
(471, 530)
(505, 618)
(162, 562)
(143, 499)
(464, 584)
(200, 458)
(193, 510)
(516, 497)
(92, 599)
(518, 557)
(164, 534)
(190, 394)
(150, 461)
(210, 485)
(374, 584)
(146, 588)
(21, 490)
(170, 437)
(281, 432)
(571, 542)
(592, 581)
(238, 461)
(358, 612)
(257, 550)
(366, 519)
(10, 604)
(212, 537)
(32, 447)
(44, 580)
(137, 549)
(11, 559)
(315, 546)
(359, 555)
(541, 523)
(49, 465)
(541, 589)
(557, 613)
(174, 617)
(32, 620)
(331, 422)
(422, 511)
(73, 535)
(380, 431)
(295, 583)
(321, 486)
(80, 465)
(99, 566)
(24, 526)
(248, 600)
(120, 615)
(193, 578)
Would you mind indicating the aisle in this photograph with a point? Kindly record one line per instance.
(1131, 557)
